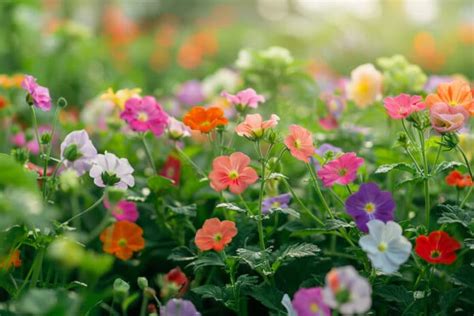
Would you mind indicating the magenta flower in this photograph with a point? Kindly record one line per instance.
(309, 302)
(446, 118)
(403, 105)
(39, 94)
(145, 114)
(342, 170)
(370, 203)
(123, 211)
(244, 98)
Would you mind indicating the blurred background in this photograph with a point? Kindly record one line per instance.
(80, 48)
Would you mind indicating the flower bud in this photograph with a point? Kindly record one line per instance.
(62, 102)
(29, 100)
(21, 155)
(45, 138)
(69, 180)
(142, 283)
(120, 289)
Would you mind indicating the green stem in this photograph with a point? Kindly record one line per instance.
(37, 267)
(465, 160)
(260, 200)
(318, 191)
(189, 161)
(144, 305)
(35, 127)
(301, 204)
(467, 196)
(86, 210)
(408, 133)
(349, 189)
(425, 179)
(48, 153)
(148, 154)
(417, 166)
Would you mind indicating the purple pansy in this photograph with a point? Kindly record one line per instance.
(309, 302)
(279, 201)
(39, 94)
(190, 93)
(370, 203)
(179, 307)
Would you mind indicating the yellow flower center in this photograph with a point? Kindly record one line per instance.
(122, 242)
(453, 102)
(142, 116)
(276, 204)
(314, 308)
(218, 237)
(369, 208)
(297, 143)
(233, 174)
(363, 87)
(382, 246)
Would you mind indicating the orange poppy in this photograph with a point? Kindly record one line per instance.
(457, 179)
(204, 120)
(122, 239)
(455, 93)
(215, 234)
(12, 260)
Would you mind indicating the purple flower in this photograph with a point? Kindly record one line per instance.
(190, 93)
(434, 81)
(370, 203)
(179, 307)
(309, 302)
(279, 201)
(39, 94)
(109, 170)
(78, 152)
(322, 150)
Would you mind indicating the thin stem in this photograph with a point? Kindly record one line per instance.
(349, 189)
(425, 179)
(35, 127)
(417, 166)
(37, 267)
(260, 200)
(437, 155)
(467, 196)
(189, 161)
(465, 160)
(408, 133)
(48, 153)
(301, 204)
(318, 191)
(86, 210)
(148, 154)
(144, 305)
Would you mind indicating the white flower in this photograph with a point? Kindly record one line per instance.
(110, 170)
(278, 54)
(385, 245)
(365, 86)
(244, 60)
(223, 79)
(78, 151)
(176, 129)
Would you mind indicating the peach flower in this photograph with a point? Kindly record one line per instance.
(455, 93)
(300, 143)
(365, 86)
(215, 234)
(254, 127)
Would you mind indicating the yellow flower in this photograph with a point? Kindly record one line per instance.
(13, 81)
(365, 86)
(121, 96)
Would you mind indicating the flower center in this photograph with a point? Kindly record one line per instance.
(369, 208)
(205, 123)
(110, 178)
(342, 172)
(382, 246)
(297, 143)
(233, 174)
(218, 237)
(122, 242)
(276, 204)
(363, 87)
(435, 254)
(142, 116)
(453, 103)
(314, 307)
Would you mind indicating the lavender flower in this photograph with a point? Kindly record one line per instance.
(78, 152)
(309, 302)
(110, 170)
(179, 307)
(370, 203)
(190, 93)
(279, 201)
(38, 94)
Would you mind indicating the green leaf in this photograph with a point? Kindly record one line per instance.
(207, 259)
(14, 174)
(269, 296)
(294, 251)
(464, 276)
(231, 207)
(288, 211)
(211, 291)
(408, 180)
(257, 260)
(402, 166)
(394, 293)
(188, 210)
(446, 165)
(158, 183)
(276, 175)
(454, 214)
(182, 254)
(448, 298)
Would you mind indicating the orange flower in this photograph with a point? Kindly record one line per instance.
(122, 239)
(3, 102)
(204, 120)
(12, 260)
(457, 179)
(454, 93)
(215, 234)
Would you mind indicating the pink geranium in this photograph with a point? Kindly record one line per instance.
(445, 118)
(254, 126)
(145, 114)
(244, 98)
(232, 171)
(123, 210)
(300, 143)
(39, 94)
(342, 170)
(403, 105)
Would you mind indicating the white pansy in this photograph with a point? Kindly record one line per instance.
(385, 246)
(110, 170)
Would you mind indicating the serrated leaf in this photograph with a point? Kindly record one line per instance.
(454, 214)
(182, 254)
(211, 291)
(268, 295)
(257, 260)
(448, 298)
(288, 211)
(299, 251)
(394, 293)
(464, 276)
(159, 183)
(231, 207)
(276, 175)
(207, 259)
(402, 166)
(446, 165)
(188, 210)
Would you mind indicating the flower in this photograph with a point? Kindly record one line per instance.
(3, 102)
(244, 98)
(97, 114)
(172, 169)
(342, 170)
(222, 79)
(190, 93)
(78, 151)
(277, 54)
(279, 201)
(300, 143)
(385, 245)
(122, 239)
(174, 282)
(110, 170)
(123, 210)
(232, 171)
(457, 179)
(437, 247)
(145, 114)
(347, 291)
(403, 105)
(454, 93)
(370, 203)
(11, 260)
(179, 307)
(215, 234)
(309, 302)
(445, 118)
(121, 96)
(204, 120)
(365, 86)
(254, 127)
(39, 95)
(176, 129)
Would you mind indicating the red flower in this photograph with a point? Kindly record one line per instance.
(177, 277)
(438, 247)
(172, 169)
(457, 179)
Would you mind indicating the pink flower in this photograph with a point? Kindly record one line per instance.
(328, 122)
(123, 210)
(39, 94)
(145, 114)
(342, 170)
(254, 127)
(300, 143)
(445, 118)
(232, 171)
(403, 105)
(244, 98)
